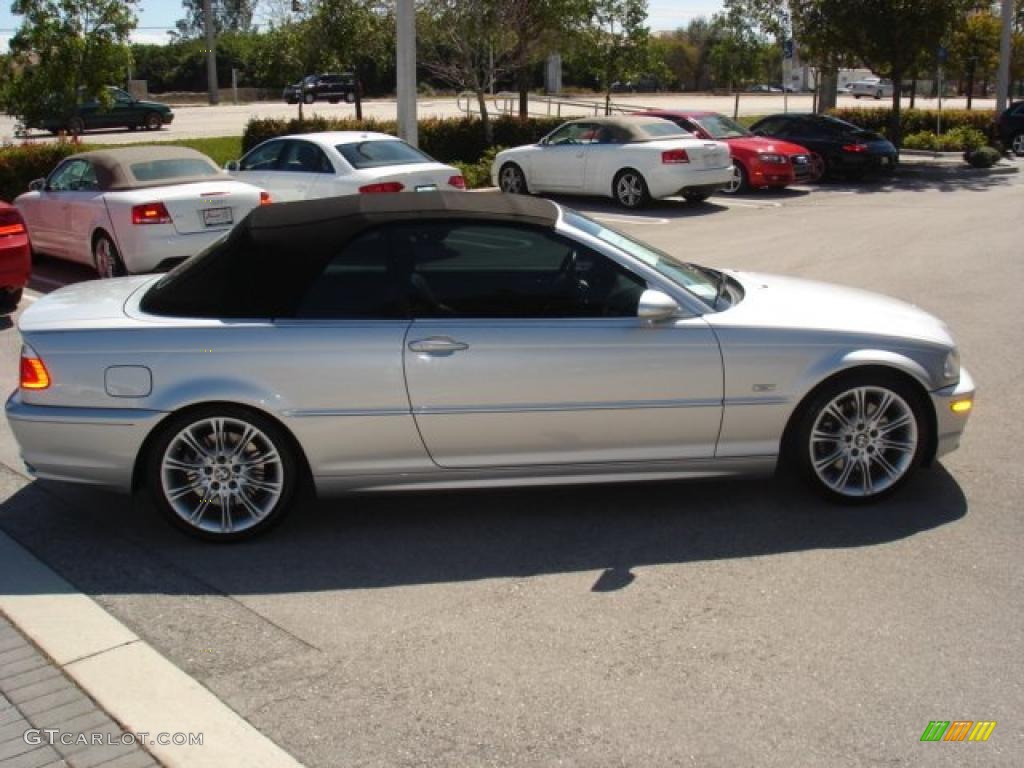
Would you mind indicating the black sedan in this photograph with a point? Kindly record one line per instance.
(1011, 127)
(836, 146)
(120, 110)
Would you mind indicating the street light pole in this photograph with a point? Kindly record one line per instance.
(1003, 81)
(211, 52)
(406, 71)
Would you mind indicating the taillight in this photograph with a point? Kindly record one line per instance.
(265, 198)
(33, 371)
(11, 223)
(855, 148)
(671, 156)
(458, 182)
(151, 213)
(384, 186)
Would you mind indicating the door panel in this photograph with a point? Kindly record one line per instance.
(565, 391)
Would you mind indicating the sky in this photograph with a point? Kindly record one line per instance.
(156, 17)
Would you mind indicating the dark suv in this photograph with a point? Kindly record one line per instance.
(325, 87)
(1011, 128)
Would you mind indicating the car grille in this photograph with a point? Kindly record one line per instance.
(801, 166)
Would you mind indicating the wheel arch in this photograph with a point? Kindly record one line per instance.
(138, 468)
(903, 369)
(518, 163)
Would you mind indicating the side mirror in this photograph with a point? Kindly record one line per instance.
(37, 185)
(655, 305)
(231, 165)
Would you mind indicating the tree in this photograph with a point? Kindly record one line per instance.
(65, 51)
(974, 48)
(228, 16)
(615, 42)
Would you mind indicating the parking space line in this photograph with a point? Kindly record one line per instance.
(627, 219)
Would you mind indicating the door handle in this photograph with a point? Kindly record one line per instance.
(437, 345)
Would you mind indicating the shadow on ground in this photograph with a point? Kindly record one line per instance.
(105, 544)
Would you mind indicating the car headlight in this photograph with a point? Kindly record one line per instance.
(951, 367)
(767, 157)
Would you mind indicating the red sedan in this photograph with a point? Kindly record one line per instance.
(758, 161)
(15, 257)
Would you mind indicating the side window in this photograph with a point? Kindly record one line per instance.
(466, 269)
(304, 157)
(773, 126)
(575, 133)
(358, 282)
(263, 158)
(68, 177)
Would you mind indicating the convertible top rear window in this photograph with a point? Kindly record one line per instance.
(176, 168)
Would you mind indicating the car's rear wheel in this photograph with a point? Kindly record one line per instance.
(861, 436)
(309, 98)
(630, 190)
(512, 180)
(739, 182)
(106, 258)
(1017, 144)
(222, 472)
(878, 95)
(76, 126)
(350, 97)
(153, 121)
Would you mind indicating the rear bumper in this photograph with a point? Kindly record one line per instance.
(145, 250)
(949, 424)
(670, 180)
(95, 446)
(15, 262)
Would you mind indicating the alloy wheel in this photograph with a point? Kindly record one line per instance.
(817, 167)
(1018, 145)
(736, 183)
(629, 189)
(863, 441)
(222, 476)
(107, 261)
(511, 180)
(153, 121)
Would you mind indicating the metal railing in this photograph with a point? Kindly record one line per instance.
(507, 103)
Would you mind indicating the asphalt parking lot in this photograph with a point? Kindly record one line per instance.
(718, 623)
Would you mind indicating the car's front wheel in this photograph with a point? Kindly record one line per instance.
(818, 167)
(630, 189)
(860, 437)
(739, 182)
(222, 472)
(511, 180)
(76, 126)
(309, 98)
(1017, 144)
(106, 257)
(153, 121)
(10, 298)
(350, 97)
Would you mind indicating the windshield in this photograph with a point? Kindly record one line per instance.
(722, 127)
(380, 153)
(699, 281)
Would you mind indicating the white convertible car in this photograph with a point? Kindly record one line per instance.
(134, 209)
(630, 159)
(314, 165)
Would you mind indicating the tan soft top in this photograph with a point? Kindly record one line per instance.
(114, 166)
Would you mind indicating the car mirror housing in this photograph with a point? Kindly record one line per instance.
(231, 165)
(655, 305)
(37, 185)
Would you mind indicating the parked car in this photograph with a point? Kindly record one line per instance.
(758, 162)
(630, 159)
(451, 340)
(764, 88)
(311, 165)
(873, 88)
(326, 87)
(124, 111)
(134, 209)
(1010, 128)
(15, 257)
(835, 145)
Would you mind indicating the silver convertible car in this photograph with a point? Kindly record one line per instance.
(453, 340)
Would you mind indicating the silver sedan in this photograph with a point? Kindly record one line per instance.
(456, 340)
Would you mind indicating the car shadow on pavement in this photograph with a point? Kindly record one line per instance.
(105, 544)
(912, 181)
(670, 208)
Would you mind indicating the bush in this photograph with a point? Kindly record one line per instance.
(962, 139)
(449, 140)
(919, 120)
(478, 174)
(21, 163)
(982, 157)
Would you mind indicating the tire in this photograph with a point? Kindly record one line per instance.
(76, 126)
(512, 180)
(9, 299)
(222, 472)
(350, 97)
(332, 101)
(819, 168)
(630, 189)
(105, 257)
(860, 436)
(856, 96)
(153, 121)
(309, 98)
(696, 197)
(1017, 144)
(740, 181)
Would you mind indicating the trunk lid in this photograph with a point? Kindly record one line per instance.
(91, 304)
(412, 175)
(206, 206)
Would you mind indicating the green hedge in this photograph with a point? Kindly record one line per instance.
(21, 163)
(918, 120)
(450, 140)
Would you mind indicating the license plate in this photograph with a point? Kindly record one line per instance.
(217, 217)
(427, 188)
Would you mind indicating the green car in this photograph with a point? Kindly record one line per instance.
(125, 111)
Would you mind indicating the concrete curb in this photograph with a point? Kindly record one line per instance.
(136, 686)
(950, 170)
